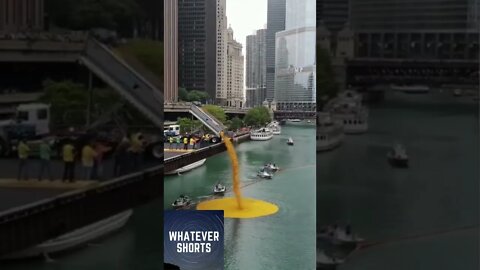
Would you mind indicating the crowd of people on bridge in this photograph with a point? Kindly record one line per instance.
(127, 157)
(189, 141)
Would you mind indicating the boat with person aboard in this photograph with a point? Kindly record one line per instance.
(397, 156)
(290, 141)
(340, 236)
(219, 189)
(265, 174)
(181, 201)
(271, 167)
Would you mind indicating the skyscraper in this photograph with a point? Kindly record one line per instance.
(197, 45)
(221, 50)
(295, 69)
(261, 68)
(275, 23)
(251, 57)
(234, 79)
(256, 58)
(170, 77)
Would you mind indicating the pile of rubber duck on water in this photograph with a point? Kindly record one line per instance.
(334, 244)
(266, 172)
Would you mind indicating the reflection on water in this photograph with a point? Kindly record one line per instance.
(439, 191)
(285, 240)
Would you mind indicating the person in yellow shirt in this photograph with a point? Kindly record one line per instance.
(136, 145)
(192, 142)
(23, 153)
(88, 159)
(206, 139)
(185, 143)
(135, 151)
(68, 152)
(171, 140)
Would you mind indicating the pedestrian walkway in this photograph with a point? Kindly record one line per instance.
(45, 184)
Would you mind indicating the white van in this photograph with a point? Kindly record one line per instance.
(37, 114)
(173, 130)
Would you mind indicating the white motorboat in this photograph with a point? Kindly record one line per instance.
(275, 127)
(262, 134)
(339, 236)
(181, 201)
(294, 120)
(397, 156)
(457, 92)
(264, 174)
(290, 141)
(325, 261)
(271, 167)
(75, 238)
(329, 133)
(219, 189)
(187, 168)
(411, 89)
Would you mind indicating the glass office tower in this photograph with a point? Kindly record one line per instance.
(295, 66)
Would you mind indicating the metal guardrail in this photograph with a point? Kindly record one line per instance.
(208, 120)
(135, 88)
(177, 162)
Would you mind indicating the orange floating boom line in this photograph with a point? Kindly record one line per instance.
(234, 161)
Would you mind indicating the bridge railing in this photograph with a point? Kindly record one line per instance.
(177, 162)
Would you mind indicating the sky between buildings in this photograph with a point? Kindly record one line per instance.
(245, 17)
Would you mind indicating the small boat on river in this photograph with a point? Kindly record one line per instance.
(264, 174)
(290, 141)
(187, 168)
(271, 167)
(411, 89)
(74, 239)
(181, 201)
(397, 156)
(219, 189)
(340, 236)
(325, 261)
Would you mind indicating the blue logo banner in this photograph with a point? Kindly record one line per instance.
(193, 240)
